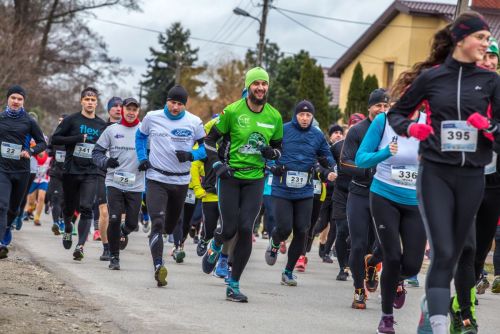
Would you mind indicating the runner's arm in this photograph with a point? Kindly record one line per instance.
(368, 154)
(60, 136)
(37, 135)
(348, 155)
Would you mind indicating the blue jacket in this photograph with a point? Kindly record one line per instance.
(300, 151)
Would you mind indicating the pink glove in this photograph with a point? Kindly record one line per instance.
(420, 131)
(478, 121)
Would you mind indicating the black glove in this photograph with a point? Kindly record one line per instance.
(112, 163)
(184, 156)
(277, 170)
(144, 165)
(222, 170)
(270, 153)
(369, 172)
(323, 161)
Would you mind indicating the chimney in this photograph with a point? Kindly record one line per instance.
(485, 4)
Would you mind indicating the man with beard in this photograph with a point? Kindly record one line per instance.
(251, 131)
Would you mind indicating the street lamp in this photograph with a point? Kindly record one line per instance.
(242, 12)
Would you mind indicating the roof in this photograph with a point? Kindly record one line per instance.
(417, 8)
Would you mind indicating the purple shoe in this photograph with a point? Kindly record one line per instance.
(399, 301)
(386, 325)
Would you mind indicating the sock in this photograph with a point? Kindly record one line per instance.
(439, 324)
(105, 246)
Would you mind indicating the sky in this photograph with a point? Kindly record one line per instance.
(214, 20)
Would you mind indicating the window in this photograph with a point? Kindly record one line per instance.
(389, 74)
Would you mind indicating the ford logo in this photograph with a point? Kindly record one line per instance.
(181, 132)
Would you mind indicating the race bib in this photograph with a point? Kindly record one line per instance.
(405, 175)
(11, 151)
(317, 187)
(41, 171)
(190, 198)
(124, 179)
(296, 179)
(60, 156)
(270, 180)
(491, 168)
(83, 150)
(458, 136)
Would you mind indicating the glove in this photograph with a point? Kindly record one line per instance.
(222, 170)
(184, 156)
(277, 170)
(199, 192)
(323, 161)
(112, 163)
(144, 165)
(420, 131)
(270, 153)
(478, 121)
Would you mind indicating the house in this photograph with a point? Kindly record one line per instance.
(333, 84)
(399, 38)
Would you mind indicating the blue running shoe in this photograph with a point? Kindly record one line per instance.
(288, 278)
(60, 223)
(424, 325)
(210, 258)
(18, 222)
(7, 237)
(221, 271)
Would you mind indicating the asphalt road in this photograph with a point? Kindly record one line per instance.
(194, 302)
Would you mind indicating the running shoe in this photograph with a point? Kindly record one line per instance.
(301, 264)
(455, 320)
(78, 253)
(327, 259)
(97, 235)
(468, 326)
(288, 278)
(55, 229)
(146, 226)
(3, 251)
(201, 248)
(7, 237)
(495, 287)
(413, 282)
(123, 239)
(114, 263)
(234, 294)
(210, 258)
(106, 255)
(424, 324)
(400, 298)
(18, 222)
(60, 223)
(178, 254)
(342, 275)
(221, 270)
(161, 273)
(359, 301)
(66, 240)
(283, 247)
(482, 285)
(321, 250)
(271, 252)
(37, 222)
(386, 325)
(265, 235)
(371, 275)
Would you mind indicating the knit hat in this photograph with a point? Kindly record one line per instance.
(469, 26)
(335, 128)
(493, 48)
(356, 118)
(256, 73)
(379, 95)
(115, 100)
(178, 93)
(16, 89)
(304, 106)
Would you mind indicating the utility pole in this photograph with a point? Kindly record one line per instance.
(262, 31)
(462, 6)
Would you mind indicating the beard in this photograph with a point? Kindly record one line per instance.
(256, 100)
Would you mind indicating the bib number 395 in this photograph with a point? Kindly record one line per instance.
(458, 136)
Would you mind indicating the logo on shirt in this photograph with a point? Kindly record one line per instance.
(255, 142)
(478, 88)
(118, 136)
(181, 132)
(244, 121)
(265, 125)
(90, 132)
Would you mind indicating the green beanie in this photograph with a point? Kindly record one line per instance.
(256, 73)
(493, 48)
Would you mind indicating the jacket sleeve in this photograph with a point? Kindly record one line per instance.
(324, 151)
(348, 154)
(99, 156)
(37, 135)
(60, 136)
(211, 145)
(368, 154)
(495, 108)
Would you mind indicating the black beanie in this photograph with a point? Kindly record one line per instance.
(334, 128)
(16, 89)
(178, 93)
(379, 95)
(304, 105)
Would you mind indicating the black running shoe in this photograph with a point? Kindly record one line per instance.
(114, 263)
(106, 255)
(55, 229)
(161, 273)
(327, 259)
(78, 253)
(234, 294)
(3, 251)
(342, 276)
(66, 240)
(201, 248)
(210, 258)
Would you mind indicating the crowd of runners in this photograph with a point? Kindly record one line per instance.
(418, 176)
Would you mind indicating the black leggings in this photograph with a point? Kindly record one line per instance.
(55, 192)
(120, 201)
(14, 186)
(239, 204)
(361, 230)
(317, 204)
(210, 217)
(397, 225)
(496, 255)
(25, 196)
(181, 231)
(449, 198)
(341, 244)
(165, 203)
(294, 215)
(325, 219)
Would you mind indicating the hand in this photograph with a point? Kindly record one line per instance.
(478, 121)
(84, 137)
(199, 192)
(323, 161)
(277, 170)
(25, 154)
(144, 165)
(222, 170)
(184, 156)
(420, 131)
(112, 163)
(270, 153)
(331, 176)
(393, 148)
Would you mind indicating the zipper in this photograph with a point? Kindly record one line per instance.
(459, 88)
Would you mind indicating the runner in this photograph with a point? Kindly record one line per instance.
(358, 205)
(172, 132)
(394, 207)
(292, 187)
(124, 182)
(15, 127)
(79, 132)
(252, 131)
(39, 186)
(454, 147)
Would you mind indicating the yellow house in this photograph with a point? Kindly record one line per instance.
(399, 38)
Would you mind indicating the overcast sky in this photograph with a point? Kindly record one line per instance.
(214, 20)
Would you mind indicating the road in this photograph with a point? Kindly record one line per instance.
(194, 302)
